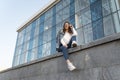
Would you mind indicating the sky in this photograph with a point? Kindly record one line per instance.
(13, 13)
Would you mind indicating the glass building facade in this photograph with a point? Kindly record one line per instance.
(93, 20)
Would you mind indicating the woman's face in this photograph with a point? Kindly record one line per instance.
(66, 26)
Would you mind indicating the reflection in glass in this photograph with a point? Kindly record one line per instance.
(116, 22)
(108, 25)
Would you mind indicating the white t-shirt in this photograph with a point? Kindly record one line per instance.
(67, 36)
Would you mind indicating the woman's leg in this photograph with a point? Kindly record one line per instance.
(73, 40)
(65, 49)
(66, 56)
(65, 52)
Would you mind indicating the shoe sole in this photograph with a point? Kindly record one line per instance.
(73, 69)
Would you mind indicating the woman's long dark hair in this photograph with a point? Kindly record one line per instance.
(69, 29)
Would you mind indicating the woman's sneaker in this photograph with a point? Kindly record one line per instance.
(71, 67)
(74, 44)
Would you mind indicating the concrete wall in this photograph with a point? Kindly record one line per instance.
(98, 60)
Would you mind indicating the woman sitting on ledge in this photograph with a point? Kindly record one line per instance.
(67, 41)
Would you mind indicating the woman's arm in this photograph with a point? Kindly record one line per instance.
(74, 31)
(63, 43)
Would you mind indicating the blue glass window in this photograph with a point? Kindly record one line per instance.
(81, 4)
(65, 3)
(48, 14)
(17, 58)
(34, 54)
(29, 55)
(28, 28)
(97, 28)
(108, 25)
(53, 34)
(41, 28)
(72, 1)
(22, 46)
(40, 37)
(33, 29)
(42, 17)
(47, 35)
(37, 27)
(46, 49)
(59, 6)
(113, 5)
(59, 17)
(48, 24)
(31, 40)
(97, 22)
(72, 8)
(72, 20)
(88, 33)
(117, 4)
(116, 22)
(84, 17)
(80, 38)
(72, 12)
(35, 42)
(96, 10)
(66, 12)
(92, 1)
(59, 27)
(53, 42)
(40, 48)
(106, 7)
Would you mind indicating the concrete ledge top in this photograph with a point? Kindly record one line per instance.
(98, 42)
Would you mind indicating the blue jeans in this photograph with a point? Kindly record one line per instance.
(65, 50)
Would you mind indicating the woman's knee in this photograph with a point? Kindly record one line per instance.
(73, 38)
(63, 48)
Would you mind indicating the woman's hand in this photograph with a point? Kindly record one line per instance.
(65, 45)
(71, 26)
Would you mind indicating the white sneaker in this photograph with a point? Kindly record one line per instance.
(71, 67)
(74, 44)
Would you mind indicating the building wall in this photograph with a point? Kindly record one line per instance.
(93, 19)
(98, 60)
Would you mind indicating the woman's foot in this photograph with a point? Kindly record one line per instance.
(74, 44)
(71, 67)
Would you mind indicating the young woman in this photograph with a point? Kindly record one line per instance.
(68, 40)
